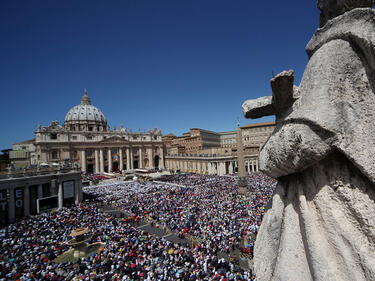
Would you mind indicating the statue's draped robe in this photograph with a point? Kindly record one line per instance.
(321, 225)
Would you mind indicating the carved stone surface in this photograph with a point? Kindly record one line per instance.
(321, 225)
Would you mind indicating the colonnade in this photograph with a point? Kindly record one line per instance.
(135, 158)
(211, 167)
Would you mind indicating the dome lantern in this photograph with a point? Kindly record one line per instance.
(85, 99)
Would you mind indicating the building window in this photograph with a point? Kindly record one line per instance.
(54, 154)
(53, 136)
(155, 137)
(89, 137)
(74, 137)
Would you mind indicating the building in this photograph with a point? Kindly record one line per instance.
(255, 135)
(23, 154)
(192, 142)
(221, 158)
(4, 159)
(28, 192)
(86, 139)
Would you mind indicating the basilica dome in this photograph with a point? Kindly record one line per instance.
(85, 113)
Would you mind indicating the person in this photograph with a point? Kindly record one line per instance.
(319, 226)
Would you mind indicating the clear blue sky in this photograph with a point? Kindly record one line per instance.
(170, 64)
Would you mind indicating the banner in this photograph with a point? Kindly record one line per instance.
(47, 203)
(68, 188)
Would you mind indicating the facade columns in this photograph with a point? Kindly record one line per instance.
(40, 191)
(128, 159)
(83, 161)
(97, 161)
(131, 159)
(80, 192)
(76, 192)
(101, 160)
(140, 158)
(11, 206)
(257, 165)
(26, 201)
(161, 158)
(109, 160)
(150, 157)
(230, 167)
(121, 159)
(60, 196)
(221, 168)
(209, 168)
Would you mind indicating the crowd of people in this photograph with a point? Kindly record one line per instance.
(207, 207)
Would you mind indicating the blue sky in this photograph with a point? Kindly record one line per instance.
(170, 64)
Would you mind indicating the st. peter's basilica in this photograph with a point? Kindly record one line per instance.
(86, 139)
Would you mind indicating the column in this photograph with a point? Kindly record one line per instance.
(26, 201)
(83, 161)
(76, 192)
(127, 159)
(161, 159)
(150, 157)
(97, 171)
(78, 188)
(140, 158)
(12, 206)
(199, 167)
(109, 160)
(60, 196)
(221, 168)
(131, 159)
(121, 159)
(101, 160)
(257, 165)
(230, 167)
(209, 168)
(40, 191)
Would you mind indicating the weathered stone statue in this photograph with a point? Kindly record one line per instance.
(321, 224)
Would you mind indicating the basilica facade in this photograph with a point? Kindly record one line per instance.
(86, 139)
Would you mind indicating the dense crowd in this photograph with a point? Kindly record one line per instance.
(204, 206)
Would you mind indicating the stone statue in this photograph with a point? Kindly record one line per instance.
(320, 224)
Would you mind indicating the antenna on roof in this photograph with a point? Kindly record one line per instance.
(238, 121)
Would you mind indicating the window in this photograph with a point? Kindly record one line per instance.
(53, 136)
(74, 137)
(54, 154)
(155, 137)
(89, 137)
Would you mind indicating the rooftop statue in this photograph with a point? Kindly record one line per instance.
(321, 223)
